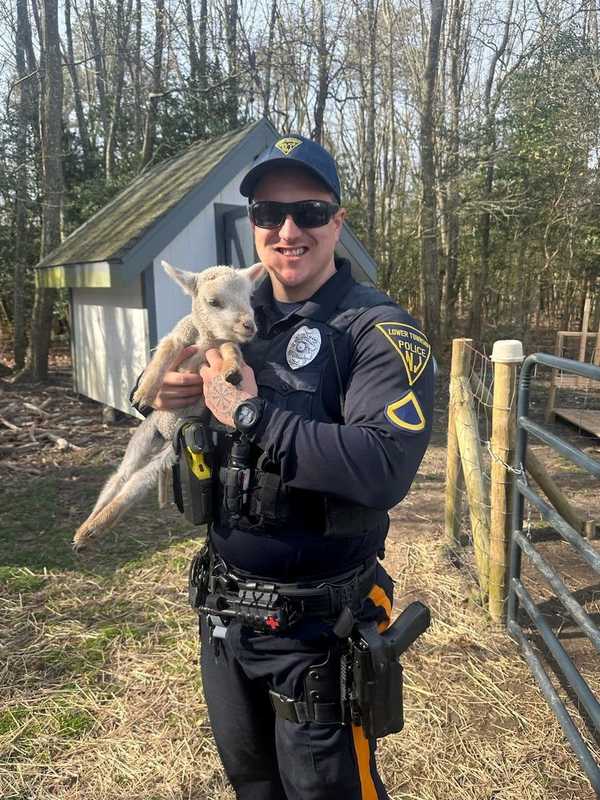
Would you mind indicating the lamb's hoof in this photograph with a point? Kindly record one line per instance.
(140, 399)
(233, 376)
(83, 536)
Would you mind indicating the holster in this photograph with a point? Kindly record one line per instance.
(193, 472)
(376, 674)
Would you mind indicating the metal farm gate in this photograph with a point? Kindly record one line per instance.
(522, 545)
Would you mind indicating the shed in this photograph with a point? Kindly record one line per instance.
(187, 210)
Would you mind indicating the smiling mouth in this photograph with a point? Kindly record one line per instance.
(292, 252)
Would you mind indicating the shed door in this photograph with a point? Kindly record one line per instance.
(235, 242)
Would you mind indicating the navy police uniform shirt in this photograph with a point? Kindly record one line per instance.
(348, 381)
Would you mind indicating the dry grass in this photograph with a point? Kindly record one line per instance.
(100, 694)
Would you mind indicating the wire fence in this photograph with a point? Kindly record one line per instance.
(481, 466)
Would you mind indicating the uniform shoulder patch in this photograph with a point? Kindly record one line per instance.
(288, 144)
(406, 413)
(410, 344)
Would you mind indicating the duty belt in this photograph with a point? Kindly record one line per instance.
(267, 606)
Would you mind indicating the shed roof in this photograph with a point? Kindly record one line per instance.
(115, 229)
(122, 238)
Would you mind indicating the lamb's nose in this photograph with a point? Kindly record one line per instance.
(248, 324)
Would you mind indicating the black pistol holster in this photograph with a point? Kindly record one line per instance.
(374, 674)
(193, 470)
(364, 685)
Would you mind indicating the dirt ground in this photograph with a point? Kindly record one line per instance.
(100, 696)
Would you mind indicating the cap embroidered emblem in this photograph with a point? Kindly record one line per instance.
(303, 347)
(287, 145)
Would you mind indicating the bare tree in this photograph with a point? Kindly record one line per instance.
(155, 95)
(51, 97)
(429, 240)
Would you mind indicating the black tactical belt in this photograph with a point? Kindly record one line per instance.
(325, 598)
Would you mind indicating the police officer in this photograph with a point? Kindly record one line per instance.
(333, 416)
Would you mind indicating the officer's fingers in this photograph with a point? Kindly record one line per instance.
(181, 391)
(185, 353)
(173, 379)
(214, 360)
(170, 403)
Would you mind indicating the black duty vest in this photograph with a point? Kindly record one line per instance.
(315, 391)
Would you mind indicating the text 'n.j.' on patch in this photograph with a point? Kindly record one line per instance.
(406, 413)
(410, 344)
(288, 144)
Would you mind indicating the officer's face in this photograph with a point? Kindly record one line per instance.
(299, 260)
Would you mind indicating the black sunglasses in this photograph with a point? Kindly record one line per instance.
(305, 213)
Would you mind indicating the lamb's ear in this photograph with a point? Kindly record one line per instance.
(254, 272)
(187, 280)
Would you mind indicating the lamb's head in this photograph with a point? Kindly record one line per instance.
(220, 299)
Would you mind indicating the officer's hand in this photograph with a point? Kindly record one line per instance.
(179, 389)
(223, 398)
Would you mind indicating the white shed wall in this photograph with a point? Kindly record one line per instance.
(194, 249)
(112, 345)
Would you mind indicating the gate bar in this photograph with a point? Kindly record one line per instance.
(584, 548)
(547, 689)
(576, 680)
(565, 365)
(520, 545)
(564, 448)
(580, 616)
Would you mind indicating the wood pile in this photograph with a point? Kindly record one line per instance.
(37, 425)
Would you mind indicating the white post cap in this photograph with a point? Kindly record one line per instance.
(508, 351)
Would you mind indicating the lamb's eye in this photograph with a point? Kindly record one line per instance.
(215, 302)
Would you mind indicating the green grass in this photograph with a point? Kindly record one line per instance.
(21, 579)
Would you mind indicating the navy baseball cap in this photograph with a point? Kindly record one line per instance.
(294, 151)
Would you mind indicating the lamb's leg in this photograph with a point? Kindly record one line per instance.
(144, 441)
(232, 362)
(164, 484)
(166, 353)
(136, 487)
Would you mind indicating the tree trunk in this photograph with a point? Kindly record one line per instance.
(196, 100)
(51, 98)
(79, 112)
(371, 157)
(121, 40)
(429, 262)
(269, 61)
(457, 73)
(489, 166)
(150, 128)
(23, 123)
(322, 76)
(100, 71)
(233, 89)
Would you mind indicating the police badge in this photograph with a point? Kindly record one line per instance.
(303, 347)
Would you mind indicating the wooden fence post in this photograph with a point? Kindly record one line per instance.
(506, 357)
(469, 446)
(461, 364)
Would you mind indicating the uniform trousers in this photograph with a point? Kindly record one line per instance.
(266, 757)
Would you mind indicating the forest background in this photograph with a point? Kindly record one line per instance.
(467, 133)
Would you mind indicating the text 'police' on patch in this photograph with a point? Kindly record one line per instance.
(410, 344)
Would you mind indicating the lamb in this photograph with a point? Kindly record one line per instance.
(221, 317)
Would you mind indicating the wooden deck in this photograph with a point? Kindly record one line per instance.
(583, 418)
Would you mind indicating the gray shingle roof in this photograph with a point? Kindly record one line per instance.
(114, 230)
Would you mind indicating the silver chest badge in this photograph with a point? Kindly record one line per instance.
(303, 347)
